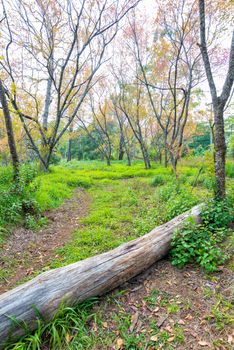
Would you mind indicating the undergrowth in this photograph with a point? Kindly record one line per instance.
(203, 243)
(69, 329)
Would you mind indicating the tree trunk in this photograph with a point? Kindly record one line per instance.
(145, 156)
(166, 157)
(160, 157)
(69, 155)
(44, 146)
(218, 102)
(10, 133)
(174, 161)
(121, 147)
(69, 149)
(128, 157)
(47, 104)
(220, 152)
(85, 279)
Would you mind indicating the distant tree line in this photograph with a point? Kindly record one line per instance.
(92, 81)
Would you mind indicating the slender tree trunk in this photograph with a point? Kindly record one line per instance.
(121, 154)
(109, 152)
(220, 152)
(160, 157)
(10, 133)
(128, 153)
(165, 150)
(218, 102)
(69, 149)
(165, 157)
(47, 104)
(145, 156)
(121, 147)
(69, 155)
(44, 146)
(174, 161)
(129, 159)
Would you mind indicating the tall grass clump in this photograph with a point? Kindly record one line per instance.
(69, 329)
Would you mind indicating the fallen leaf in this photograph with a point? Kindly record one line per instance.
(169, 329)
(156, 309)
(189, 317)
(135, 289)
(119, 343)
(170, 340)
(139, 324)
(29, 271)
(134, 320)
(68, 337)
(154, 338)
(105, 325)
(230, 339)
(193, 334)
(181, 322)
(203, 343)
(161, 321)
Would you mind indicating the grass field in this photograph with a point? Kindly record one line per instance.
(41, 192)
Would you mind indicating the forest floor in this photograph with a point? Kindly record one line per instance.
(168, 308)
(162, 308)
(27, 252)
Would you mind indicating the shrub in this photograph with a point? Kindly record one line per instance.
(201, 243)
(18, 200)
(14, 206)
(180, 203)
(218, 213)
(178, 199)
(159, 180)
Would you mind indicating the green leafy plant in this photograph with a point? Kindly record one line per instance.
(159, 180)
(202, 243)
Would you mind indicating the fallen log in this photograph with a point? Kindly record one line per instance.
(87, 278)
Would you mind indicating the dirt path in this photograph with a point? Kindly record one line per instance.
(26, 251)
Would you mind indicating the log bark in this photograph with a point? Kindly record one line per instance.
(84, 279)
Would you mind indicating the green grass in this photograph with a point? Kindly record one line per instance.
(230, 169)
(123, 210)
(45, 191)
(127, 202)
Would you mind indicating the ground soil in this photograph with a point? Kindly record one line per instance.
(26, 251)
(203, 314)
